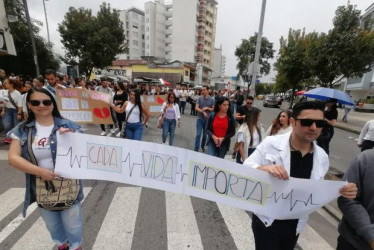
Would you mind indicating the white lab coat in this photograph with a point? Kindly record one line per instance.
(276, 150)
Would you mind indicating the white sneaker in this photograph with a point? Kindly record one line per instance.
(109, 134)
(113, 130)
(119, 134)
(103, 133)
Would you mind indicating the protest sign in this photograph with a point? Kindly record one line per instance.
(187, 172)
(153, 103)
(84, 106)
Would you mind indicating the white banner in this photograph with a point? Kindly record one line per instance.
(188, 172)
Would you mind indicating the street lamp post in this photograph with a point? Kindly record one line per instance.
(46, 20)
(32, 38)
(258, 47)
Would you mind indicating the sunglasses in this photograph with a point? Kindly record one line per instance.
(309, 122)
(250, 103)
(36, 103)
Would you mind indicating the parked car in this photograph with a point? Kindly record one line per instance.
(260, 97)
(271, 101)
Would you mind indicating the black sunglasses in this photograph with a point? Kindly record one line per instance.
(249, 102)
(36, 103)
(309, 122)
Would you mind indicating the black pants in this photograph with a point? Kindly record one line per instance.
(344, 245)
(366, 144)
(324, 140)
(281, 235)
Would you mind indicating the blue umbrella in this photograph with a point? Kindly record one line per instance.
(325, 93)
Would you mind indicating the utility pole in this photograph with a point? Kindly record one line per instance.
(46, 21)
(258, 47)
(31, 37)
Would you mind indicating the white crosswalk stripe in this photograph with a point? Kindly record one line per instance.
(182, 229)
(120, 220)
(117, 228)
(3, 155)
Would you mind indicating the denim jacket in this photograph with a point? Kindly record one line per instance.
(20, 132)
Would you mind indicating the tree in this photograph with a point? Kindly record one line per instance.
(92, 41)
(292, 64)
(346, 51)
(246, 54)
(22, 64)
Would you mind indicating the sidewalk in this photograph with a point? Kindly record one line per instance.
(356, 120)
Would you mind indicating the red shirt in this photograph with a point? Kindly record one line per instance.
(220, 126)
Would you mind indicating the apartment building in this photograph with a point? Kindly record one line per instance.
(362, 88)
(134, 26)
(218, 63)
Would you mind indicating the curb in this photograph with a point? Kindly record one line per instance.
(352, 130)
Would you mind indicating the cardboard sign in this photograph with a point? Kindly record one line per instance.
(153, 103)
(84, 106)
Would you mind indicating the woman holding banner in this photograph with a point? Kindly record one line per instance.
(33, 151)
(172, 117)
(135, 110)
(220, 128)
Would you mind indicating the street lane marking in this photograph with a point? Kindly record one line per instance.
(12, 198)
(38, 237)
(182, 229)
(310, 240)
(117, 229)
(239, 224)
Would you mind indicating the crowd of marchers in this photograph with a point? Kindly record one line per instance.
(291, 147)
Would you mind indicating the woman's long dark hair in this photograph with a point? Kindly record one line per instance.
(219, 102)
(138, 102)
(30, 114)
(171, 94)
(251, 118)
(276, 123)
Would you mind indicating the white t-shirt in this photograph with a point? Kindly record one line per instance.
(41, 146)
(134, 116)
(16, 96)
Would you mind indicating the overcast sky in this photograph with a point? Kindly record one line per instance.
(236, 20)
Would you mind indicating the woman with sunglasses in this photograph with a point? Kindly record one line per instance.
(172, 117)
(135, 110)
(12, 109)
(281, 124)
(45, 121)
(220, 128)
(249, 134)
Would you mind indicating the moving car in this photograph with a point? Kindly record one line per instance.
(271, 101)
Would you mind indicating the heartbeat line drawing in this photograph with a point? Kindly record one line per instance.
(180, 171)
(290, 197)
(73, 159)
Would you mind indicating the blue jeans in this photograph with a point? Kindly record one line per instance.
(134, 131)
(65, 225)
(218, 152)
(168, 127)
(10, 119)
(200, 127)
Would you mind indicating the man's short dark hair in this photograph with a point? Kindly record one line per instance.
(300, 106)
(250, 98)
(103, 78)
(50, 72)
(207, 87)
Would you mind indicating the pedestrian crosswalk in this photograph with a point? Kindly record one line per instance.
(118, 227)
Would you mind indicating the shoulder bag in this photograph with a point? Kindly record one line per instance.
(123, 131)
(58, 194)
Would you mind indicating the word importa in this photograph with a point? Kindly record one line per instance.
(223, 182)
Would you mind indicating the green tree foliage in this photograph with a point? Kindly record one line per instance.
(246, 54)
(264, 88)
(23, 63)
(92, 41)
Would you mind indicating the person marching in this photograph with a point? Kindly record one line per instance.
(33, 151)
(172, 117)
(220, 128)
(281, 124)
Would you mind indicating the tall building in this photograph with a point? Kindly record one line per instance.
(133, 22)
(155, 29)
(219, 64)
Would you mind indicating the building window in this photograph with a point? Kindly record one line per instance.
(186, 72)
(134, 42)
(134, 26)
(135, 33)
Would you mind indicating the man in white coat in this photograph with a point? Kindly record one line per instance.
(294, 154)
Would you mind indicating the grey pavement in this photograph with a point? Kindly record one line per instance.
(356, 120)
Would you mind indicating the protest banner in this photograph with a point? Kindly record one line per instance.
(187, 172)
(153, 103)
(84, 106)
